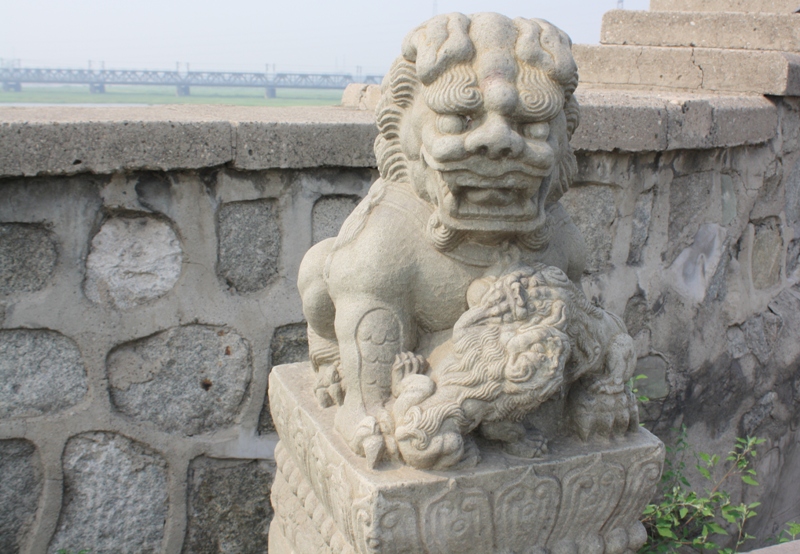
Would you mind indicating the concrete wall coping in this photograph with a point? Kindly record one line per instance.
(71, 140)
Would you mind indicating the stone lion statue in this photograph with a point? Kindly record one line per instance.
(473, 150)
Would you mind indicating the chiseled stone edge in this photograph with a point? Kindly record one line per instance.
(68, 141)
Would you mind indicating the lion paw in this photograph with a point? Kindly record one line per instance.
(329, 390)
(405, 364)
(528, 447)
(603, 414)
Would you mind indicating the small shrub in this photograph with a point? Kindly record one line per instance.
(685, 520)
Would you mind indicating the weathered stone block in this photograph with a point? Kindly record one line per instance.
(329, 213)
(132, 261)
(709, 69)
(20, 487)
(579, 497)
(769, 6)
(289, 345)
(115, 496)
(28, 258)
(249, 244)
(229, 506)
(704, 30)
(40, 372)
(692, 203)
(188, 380)
(593, 208)
(640, 227)
(767, 254)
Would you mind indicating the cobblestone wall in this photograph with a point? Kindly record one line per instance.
(143, 302)
(140, 316)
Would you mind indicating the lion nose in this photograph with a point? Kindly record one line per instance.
(495, 139)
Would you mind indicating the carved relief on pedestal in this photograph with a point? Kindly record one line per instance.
(525, 512)
(459, 520)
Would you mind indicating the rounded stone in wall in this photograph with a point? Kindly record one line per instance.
(328, 214)
(41, 372)
(132, 261)
(20, 488)
(249, 244)
(28, 258)
(115, 496)
(188, 380)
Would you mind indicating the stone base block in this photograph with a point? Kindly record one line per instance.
(580, 497)
(706, 69)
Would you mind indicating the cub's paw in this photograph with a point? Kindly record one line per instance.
(329, 390)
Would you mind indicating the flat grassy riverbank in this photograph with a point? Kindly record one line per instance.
(130, 94)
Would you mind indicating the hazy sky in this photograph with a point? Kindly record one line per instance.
(244, 35)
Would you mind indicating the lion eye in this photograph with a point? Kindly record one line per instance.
(453, 124)
(537, 131)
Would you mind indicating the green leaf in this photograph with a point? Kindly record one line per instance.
(683, 511)
(666, 532)
(749, 480)
(717, 529)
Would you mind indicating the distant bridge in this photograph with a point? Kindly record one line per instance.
(13, 78)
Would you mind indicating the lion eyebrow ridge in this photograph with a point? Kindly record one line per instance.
(455, 91)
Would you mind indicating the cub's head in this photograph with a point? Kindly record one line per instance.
(477, 115)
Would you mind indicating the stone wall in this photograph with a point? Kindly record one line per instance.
(147, 267)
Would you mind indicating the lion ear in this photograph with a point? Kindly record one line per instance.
(438, 44)
(547, 47)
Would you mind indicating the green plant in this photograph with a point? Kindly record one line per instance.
(685, 518)
(791, 533)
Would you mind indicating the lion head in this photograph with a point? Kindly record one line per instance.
(477, 115)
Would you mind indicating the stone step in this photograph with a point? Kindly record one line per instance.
(707, 69)
(752, 31)
(767, 6)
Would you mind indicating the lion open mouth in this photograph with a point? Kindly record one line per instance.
(499, 197)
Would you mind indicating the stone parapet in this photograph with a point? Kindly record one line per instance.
(67, 141)
(689, 69)
(327, 499)
(753, 31)
(766, 6)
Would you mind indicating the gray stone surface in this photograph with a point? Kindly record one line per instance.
(41, 372)
(188, 380)
(768, 6)
(49, 140)
(636, 121)
(249, 244)
(229, 508)
(768, 251)
(28, 257)
(692, 202)
(20, 487)
(655, 369)
(56, 140)
(640, 227)
(132, 261)
(703, 30)
(708, 69)
(329, 213)
(593, 208)
(289, 345)
(792, 547)
(115, 496)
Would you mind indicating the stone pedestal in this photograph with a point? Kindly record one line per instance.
(579, 498)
